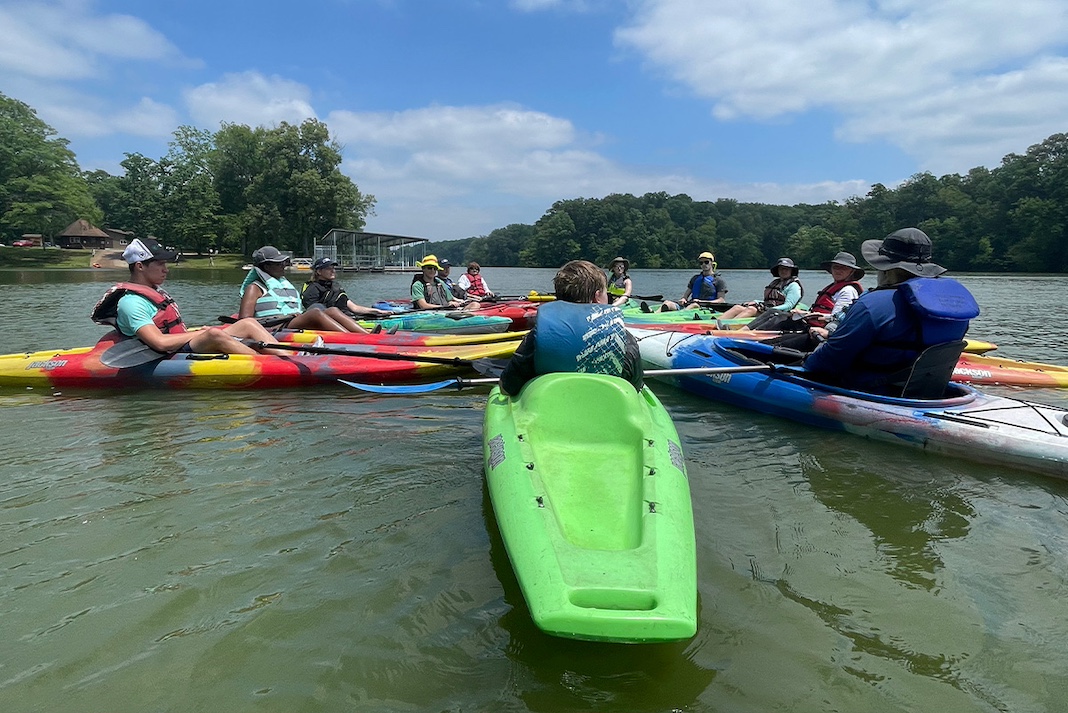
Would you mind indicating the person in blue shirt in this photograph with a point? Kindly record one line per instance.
(883, 333)
(578, 332)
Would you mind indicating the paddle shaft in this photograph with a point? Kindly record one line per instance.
(460, 383)
(309, 349)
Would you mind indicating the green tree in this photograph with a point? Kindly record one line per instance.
(41, 187)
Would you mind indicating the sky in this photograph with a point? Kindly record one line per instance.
(462, 116)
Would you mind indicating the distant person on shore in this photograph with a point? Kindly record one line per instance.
(140, 308)
(429, 291)
(883, 333)
(472, 285)
(619, 283)
(324, 290)
(783, 293)
(578, 332)
(706, 286)
(269, 297)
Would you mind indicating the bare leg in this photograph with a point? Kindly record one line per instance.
(344, 320)
(316, 319)
(739, 311)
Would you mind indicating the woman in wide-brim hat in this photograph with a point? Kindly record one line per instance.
(784, 293)
(835, 298)
(620, 285)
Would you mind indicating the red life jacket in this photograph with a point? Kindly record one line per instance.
(477, 288)
(825, 299)
(167, 317)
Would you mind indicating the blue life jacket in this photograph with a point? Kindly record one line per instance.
(704, 287)
(573, 337)
(937, 310)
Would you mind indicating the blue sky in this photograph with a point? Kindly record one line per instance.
(461, 116)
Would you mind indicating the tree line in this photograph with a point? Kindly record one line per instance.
(240, 187)
(1012, 218)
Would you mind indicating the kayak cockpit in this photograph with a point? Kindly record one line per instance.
(788, 363)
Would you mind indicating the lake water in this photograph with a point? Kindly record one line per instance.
(331, 550)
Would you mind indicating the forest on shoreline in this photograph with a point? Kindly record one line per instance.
(240, 187)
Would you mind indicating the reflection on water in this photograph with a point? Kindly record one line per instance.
(332, 550)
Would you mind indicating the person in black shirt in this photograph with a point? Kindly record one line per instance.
(324, 290)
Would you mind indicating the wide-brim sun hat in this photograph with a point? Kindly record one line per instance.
(625, 261)
(429, 261)
(845, 260)
(908, 249)
(268, 253)
(783, 262)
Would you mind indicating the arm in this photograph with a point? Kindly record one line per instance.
(632, 363)
(689, 291)
(855, 333)
(845, 297)
(520, 368)
(248, 301)
(361, 311)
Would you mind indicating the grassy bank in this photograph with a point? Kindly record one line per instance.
(58, 259)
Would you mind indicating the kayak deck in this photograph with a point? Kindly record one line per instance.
(968, 424)
(82, 368)
(589, 487)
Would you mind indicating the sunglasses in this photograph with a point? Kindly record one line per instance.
(473, 269)
(706, 262)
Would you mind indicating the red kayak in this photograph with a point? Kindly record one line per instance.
(396, 339)
(521, 312)
(88, 367)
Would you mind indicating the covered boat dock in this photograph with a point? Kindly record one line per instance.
(374, 252)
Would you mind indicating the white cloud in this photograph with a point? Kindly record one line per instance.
(903, 70)
(65, 40)
(452, 172)
(249, 98)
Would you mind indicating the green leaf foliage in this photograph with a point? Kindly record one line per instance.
(41, 188)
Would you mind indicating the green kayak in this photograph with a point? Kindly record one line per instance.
(588, 484)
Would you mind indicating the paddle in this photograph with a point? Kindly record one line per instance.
(338, 351)
(133, 352)
(460, 383)
(129, 353)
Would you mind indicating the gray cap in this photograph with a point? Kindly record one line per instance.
(908, 249)
(845, 260)
(268, 253)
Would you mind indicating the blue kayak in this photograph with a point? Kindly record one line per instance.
(966, 423)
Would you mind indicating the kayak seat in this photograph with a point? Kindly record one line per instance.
(932, 371)
(587, 436)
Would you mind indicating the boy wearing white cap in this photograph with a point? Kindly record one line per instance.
(141, 308)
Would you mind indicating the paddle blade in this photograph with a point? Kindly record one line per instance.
(129, 353)
(403, 388)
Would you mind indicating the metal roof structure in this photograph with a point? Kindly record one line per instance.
(377, 252)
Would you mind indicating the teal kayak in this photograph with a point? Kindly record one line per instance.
(589, 488)
(441, 321)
